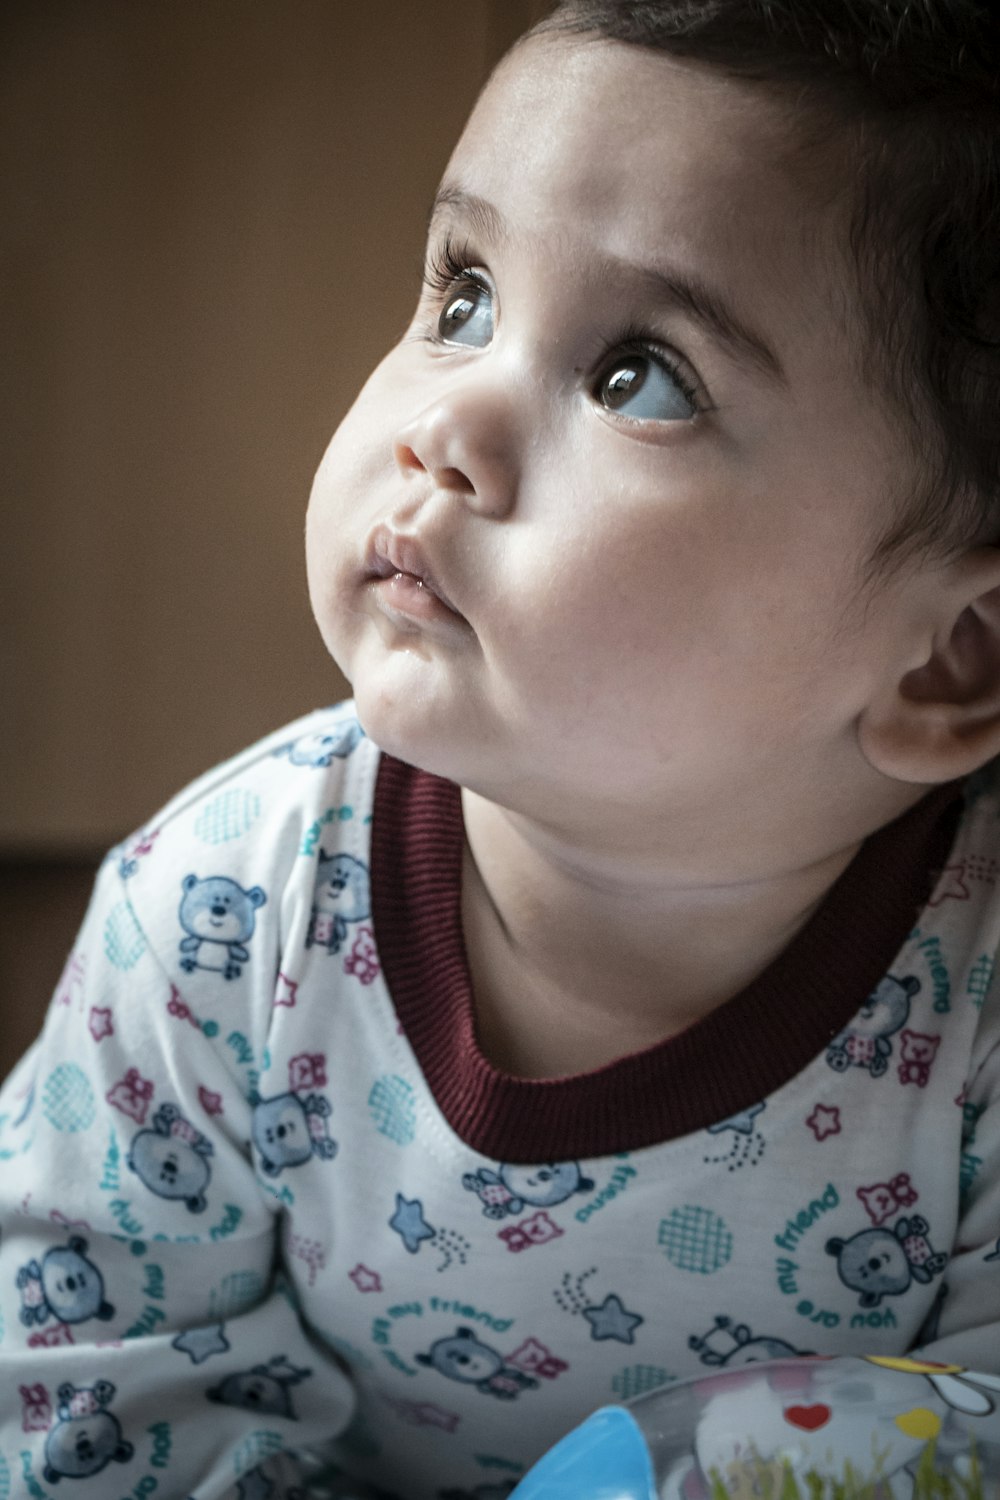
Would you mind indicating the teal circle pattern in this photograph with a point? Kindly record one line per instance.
(695, 1239)
(236, 1293)
(4, 1479)
(392, 1106)
(124, 941)
(637, 1380)
(68, 1100)
(228, 816)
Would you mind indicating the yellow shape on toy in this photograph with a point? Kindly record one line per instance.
(919, 1423)
(914, 1366)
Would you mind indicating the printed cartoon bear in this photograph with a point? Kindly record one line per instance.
(464, 1358)
(287, 1130)
(219, 917)
(340, 896)
(733, 1345)
(882, 1262)
(65, 1286)
(513, 1188)
(86, 1438)
(321, 747)
(864, 1043)
(917, 1053)
(172, 1158)
(263, 1389)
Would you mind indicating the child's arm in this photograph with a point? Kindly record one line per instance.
(144, 1336)
(965, 1328)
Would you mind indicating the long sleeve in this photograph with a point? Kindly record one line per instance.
(964, 1326)
(145, 1337)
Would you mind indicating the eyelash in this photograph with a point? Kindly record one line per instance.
(451, 266)
(448, 269)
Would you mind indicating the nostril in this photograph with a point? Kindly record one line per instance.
(454, 479)
(406, 458)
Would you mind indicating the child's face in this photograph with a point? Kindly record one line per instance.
(649, 514)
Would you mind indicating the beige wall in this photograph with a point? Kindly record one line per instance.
(211, 215)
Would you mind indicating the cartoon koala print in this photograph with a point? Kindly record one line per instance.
(733, 1345)
(86, 1437)
(340, 896)
(865, 1042)
(65, 1286)
(463, 1357)
(219, 917)
(513, 1188)
(883, 1262)
(288, 1130)
(322, 747)
(172, 1159)
(264, 1389)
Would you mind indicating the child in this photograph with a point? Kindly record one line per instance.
(604, 996)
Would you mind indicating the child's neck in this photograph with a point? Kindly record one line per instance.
(570, 971)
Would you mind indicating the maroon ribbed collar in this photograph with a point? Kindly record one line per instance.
(732, 1058)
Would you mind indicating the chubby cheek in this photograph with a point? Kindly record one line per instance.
(342, 507)
(652, 639)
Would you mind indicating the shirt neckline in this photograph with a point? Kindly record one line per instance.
(715, 1069)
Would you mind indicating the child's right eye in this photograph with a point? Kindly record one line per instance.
(468, 317)
(463, 295)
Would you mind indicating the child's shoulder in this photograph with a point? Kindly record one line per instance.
(321, 756)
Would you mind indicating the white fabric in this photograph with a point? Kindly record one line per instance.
(224, 1181)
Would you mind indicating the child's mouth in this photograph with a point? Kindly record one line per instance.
(402, 580)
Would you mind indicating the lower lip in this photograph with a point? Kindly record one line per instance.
(402, 594)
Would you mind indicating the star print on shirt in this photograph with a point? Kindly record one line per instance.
(612, 1321)
(409, 1223)
(201, 1343)
(287, 991)
(99, 1023)
(952, 885)
(824, 1121)
(364, 1279)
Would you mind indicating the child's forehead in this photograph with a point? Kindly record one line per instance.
(641, 142)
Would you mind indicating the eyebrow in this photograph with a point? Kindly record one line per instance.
(704, 305)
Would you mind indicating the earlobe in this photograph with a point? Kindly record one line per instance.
(941, 719)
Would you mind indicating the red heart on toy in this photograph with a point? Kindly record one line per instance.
(808, 1417)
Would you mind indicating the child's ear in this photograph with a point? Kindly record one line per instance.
(941, 719)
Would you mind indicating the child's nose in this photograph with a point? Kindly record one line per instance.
(466, 445)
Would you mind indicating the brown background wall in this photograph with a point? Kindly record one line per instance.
(212, 216)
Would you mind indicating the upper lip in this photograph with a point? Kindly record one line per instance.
(391, 552)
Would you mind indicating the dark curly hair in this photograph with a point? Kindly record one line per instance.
(911, 90)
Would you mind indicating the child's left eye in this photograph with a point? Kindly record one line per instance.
(647, 387)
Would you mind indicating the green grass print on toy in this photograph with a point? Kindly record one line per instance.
(760, 1481)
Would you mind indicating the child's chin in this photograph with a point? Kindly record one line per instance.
(403, 726)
